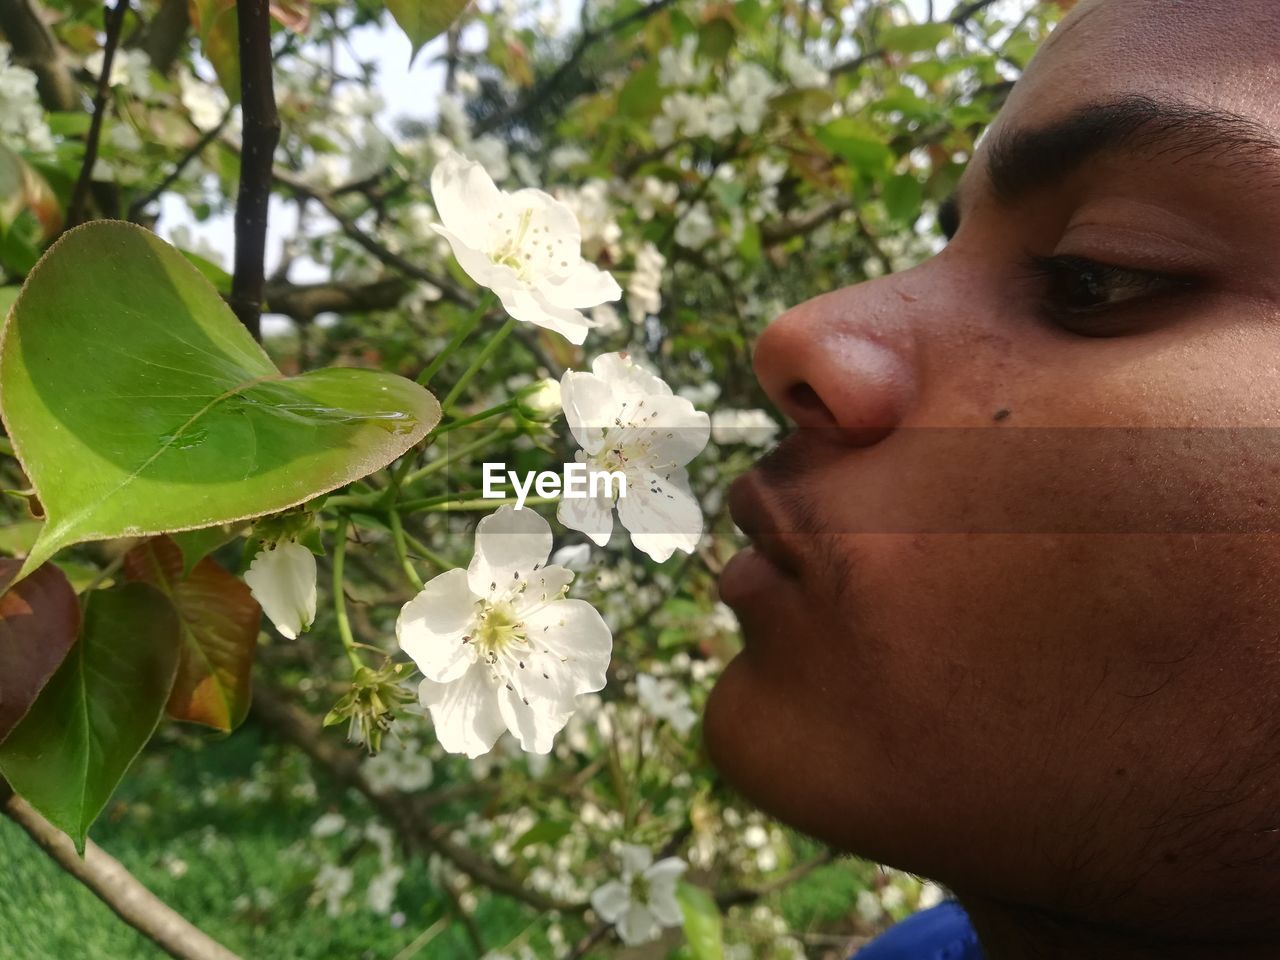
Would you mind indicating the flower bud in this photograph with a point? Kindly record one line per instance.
(540, 401)
(282, 578)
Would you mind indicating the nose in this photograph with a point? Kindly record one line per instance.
(843, 361)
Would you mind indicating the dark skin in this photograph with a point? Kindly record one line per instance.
(1011, 615)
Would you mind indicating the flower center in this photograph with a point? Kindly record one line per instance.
(511, 253)
(640, 889)
(497, 628)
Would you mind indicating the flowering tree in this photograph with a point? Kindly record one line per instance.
(558, 266)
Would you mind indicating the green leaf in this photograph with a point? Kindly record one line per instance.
(544, 831)
(39, 620)
(702, 925)
(217, 25)
(198, 544)
(914, 37)
(73, 747)
(858, 143)
(219, 628)
(903, 195)
(139, 405)
(424, 20)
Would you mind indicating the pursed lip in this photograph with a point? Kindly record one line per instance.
(759, 518)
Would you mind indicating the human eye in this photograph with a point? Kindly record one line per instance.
(1098, 299)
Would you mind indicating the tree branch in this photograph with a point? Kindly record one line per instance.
(411, 823)
(261, 134)
(115, 886)
(75, 209)
(305, 301)
(540, 91)
(35, 48)
(961, 15)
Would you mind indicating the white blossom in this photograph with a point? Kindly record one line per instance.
(755, 428)
(130, 68)
(696, 228)
(665, 700)
(749, 90)
(332, 884)
(526, 246)
(540, 400)
(643, 900)
(575, 556)
(205, 102)
(628, 420)
(400, 766)
(381, 893)
(328, 825)
(282, 578)
(800, 70)
(644, 289)
(678, 66)
(499, 645)
(22, 122)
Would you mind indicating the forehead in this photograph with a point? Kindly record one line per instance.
(1221, 54)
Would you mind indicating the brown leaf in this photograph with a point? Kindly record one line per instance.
(220, 621)
(39, 622)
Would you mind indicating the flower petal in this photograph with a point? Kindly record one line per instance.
(589, 408)
(590, 515)
(586, 285)
(465, 712)
(525, 303)
(627, 378)
(283, 581)
(611, 900)
(638, 926)
(509, 544)
(536, 723)
(579, 642)
(662, 514)
(431, 627)
(466, 198)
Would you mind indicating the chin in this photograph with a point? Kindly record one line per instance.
(759, 752)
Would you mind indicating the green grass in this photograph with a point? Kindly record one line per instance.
(249, 862)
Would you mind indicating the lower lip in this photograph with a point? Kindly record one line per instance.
(747, 576)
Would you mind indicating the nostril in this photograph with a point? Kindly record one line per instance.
(807, 405)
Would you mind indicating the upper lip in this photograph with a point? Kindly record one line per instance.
(757, 515)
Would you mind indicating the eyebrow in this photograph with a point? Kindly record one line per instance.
(1021, 161)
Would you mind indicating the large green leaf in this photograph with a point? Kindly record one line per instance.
(424, 20)
(73, 747)
(39, 620)
(219, 627)
(139, 405)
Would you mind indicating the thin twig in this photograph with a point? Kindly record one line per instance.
(115, 886)
(197, 148)
(261, 134)
(410, 821)
(75, 209)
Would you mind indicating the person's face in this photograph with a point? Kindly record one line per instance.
(1012, 619)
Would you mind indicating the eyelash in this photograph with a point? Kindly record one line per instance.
(1068, 281)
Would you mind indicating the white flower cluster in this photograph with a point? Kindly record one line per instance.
(742, 106)
(22, 124)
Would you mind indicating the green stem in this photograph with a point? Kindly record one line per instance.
(455, 506)
(397, 534)
(340, 597)
(464, 330)
(481, 359)
(464, 451)
(423, 550)
(502, 407)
